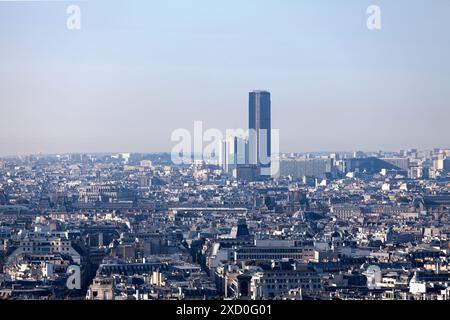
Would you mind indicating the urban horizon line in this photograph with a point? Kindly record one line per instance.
(168, 152)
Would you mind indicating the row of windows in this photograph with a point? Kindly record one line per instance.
(45, 249)
(304, 280)
(277, 250)
(268, 256)
(24, 244)
(306, 286)
(290, 274)
(43, 258)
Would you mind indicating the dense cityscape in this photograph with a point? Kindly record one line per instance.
(127, 226)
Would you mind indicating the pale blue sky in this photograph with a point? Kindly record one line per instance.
(137, 70)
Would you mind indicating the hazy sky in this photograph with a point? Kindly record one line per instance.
(137, 70)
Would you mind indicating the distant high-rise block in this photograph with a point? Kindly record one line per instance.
(233, 153)
(447, 165)
(260, 128)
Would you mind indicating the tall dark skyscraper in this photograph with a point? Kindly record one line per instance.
(260, 127)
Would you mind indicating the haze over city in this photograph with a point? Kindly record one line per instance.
(232, 158)
(136, 71)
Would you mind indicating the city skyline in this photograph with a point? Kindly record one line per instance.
(259, 121)
(224, 158)
(133, 74)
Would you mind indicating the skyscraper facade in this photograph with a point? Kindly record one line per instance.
(260, 128)
(234, 152)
